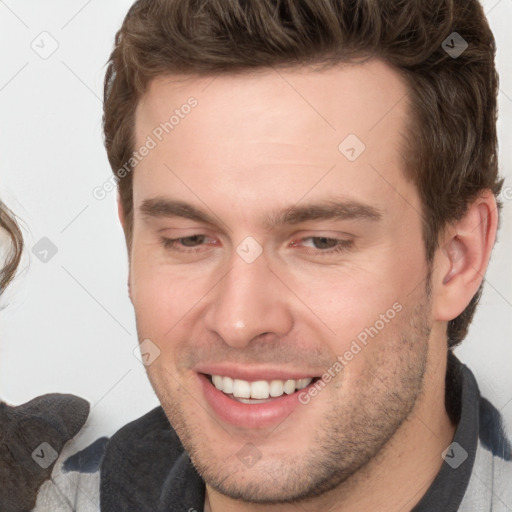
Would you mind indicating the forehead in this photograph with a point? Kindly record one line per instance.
(256, 135)
(337, 95)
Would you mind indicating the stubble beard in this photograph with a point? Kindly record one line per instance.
(352, 433)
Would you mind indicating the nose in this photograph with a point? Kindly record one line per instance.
(248, 302)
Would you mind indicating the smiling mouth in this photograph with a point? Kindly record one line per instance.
(260, 391)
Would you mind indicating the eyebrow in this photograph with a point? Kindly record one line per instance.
(159, 207)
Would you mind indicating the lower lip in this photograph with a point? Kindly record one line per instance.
(250, 416)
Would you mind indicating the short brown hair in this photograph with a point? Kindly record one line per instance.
(452, 154)
(8, 268)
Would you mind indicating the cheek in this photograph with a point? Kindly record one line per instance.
(348, 300)
(361, 306)
(164, 299)
(152, 296)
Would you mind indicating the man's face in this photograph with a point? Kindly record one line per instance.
(261, 288)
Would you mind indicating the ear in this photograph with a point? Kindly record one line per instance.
(122, 220)
(120, 212)
(461, 261)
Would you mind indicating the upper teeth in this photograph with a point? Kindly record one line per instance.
(260, 389)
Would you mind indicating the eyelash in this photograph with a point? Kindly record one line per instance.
(342, 246)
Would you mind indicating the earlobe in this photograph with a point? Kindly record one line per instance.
(130, 288)
(120, 211)
(463, 257)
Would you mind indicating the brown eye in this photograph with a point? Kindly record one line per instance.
(323, 245)
(186, 244)
(190, 241)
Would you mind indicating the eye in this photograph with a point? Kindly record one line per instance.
(326, 245)
(320, 244)
(185, 244)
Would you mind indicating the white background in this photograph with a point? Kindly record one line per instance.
(68, 325)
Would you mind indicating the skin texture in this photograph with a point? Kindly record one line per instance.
(262, 142)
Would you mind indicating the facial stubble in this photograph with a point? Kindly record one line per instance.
(358, 423)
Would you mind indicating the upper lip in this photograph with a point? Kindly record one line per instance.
(253, 373)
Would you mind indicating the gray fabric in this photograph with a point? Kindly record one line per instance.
(449, 486)
(483, 481)
(31, 437)
(146, 468)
